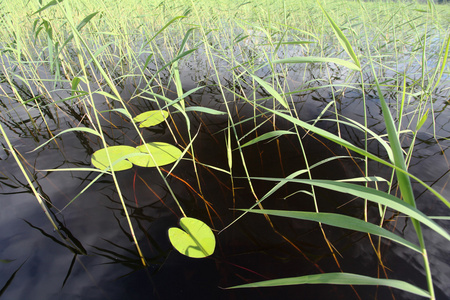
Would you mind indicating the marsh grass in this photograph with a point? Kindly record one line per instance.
(73, 61)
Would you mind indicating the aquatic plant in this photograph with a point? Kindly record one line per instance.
(397, 162)
(113, 73)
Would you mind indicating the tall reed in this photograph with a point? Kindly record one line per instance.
(61, 56)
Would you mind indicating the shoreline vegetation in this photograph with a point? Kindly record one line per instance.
(72, 67)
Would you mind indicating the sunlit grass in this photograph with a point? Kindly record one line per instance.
(62, 56)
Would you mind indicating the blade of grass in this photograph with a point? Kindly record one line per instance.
(342, 39)
(341, 221)
(340, 141)
(266, 136)
(370, 194)
(271, 90)
(338, 278)
(82, 129)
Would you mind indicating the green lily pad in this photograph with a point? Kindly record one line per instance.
(196, 241)
(100, 159)
(162, 153)
(151, 118)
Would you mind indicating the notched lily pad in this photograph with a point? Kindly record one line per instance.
(196, 241)
(151, 118)
(163, 154)
(100, 159)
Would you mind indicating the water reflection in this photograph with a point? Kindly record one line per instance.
(104, 264)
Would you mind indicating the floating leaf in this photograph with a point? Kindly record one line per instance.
(100, 159)
(196, 241)
(161, 154)
(151, 118)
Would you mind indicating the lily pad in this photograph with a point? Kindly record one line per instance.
(151, 118)
(196, 241)
(163, 154)
(100, 159)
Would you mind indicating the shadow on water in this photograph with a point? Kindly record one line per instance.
(105, 264)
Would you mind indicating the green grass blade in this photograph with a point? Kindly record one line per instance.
(107, 95)
(338, 278)
(86, 20)
(371, 195)
(340, 141)
(161, 30)
(444, 62)
(403, 179)
(422, 120)
(283, 182)
(75, 82)
(205, 110)
(170, 63)
(48, 5)
(397, 150)
(364, 179)
(271, 91)
(82, 129)
(173, 102)
(185, 39)
(342, 38)
(364, 129)
(266, 136)
(119, 110)
(341, 221)
(79, 27)
(178, 84)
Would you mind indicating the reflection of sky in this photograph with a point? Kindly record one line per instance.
(91, 220)
(411, 266)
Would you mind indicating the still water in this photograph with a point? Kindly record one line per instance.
(105, 265)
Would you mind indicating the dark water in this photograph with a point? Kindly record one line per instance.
(106, 264)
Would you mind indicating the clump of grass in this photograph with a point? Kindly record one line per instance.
(62, 57)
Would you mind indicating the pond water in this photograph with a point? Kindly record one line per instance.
(106, 264)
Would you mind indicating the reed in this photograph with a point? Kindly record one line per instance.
(64, 56)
